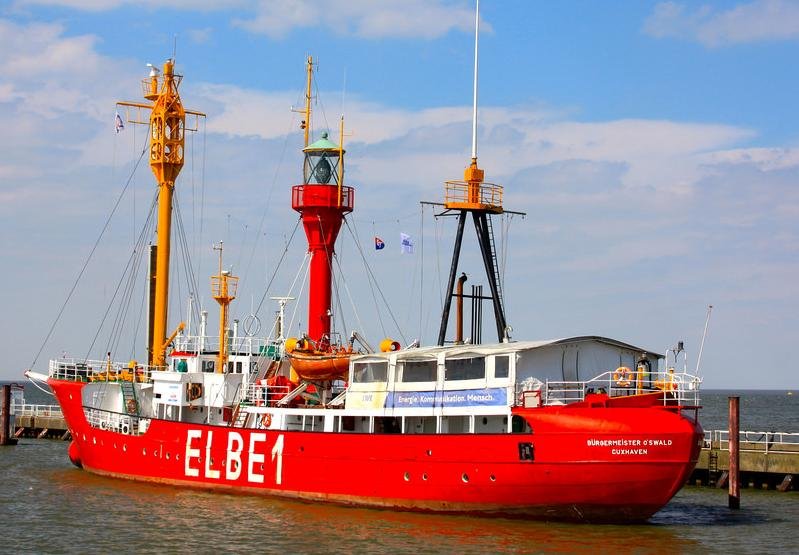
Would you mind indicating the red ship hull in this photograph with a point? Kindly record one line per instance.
(579, 463)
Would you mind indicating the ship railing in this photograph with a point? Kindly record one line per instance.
(682, 388)
(262, 394)
(122, 423)
(36, 410)
(99, 370)
(248, 344)
(761, 442)
(464, 193)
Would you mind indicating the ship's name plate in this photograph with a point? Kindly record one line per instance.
(199, 458)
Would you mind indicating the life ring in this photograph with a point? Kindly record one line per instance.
(266, 420)
(622, 376)
(130, 406)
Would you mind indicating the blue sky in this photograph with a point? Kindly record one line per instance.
(654, 146)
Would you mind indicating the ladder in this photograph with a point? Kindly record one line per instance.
(494, 261)
(240, 418)
(129, 403)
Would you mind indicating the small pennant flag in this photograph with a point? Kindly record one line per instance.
(379, 244)
(407, 243)
(119, 125)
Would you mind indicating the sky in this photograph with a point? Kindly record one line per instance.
(654, 147)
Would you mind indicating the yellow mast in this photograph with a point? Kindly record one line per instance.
(167, 134)
(305, 124)
(223, 287)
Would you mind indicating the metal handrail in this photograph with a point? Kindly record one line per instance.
(116, 421)
(682, 387)
(37, 410)
(768, 442)
(102, 370)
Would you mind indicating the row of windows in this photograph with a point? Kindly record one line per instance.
(210, 366)
(473, 368)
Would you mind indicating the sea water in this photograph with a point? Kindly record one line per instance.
(49, 506)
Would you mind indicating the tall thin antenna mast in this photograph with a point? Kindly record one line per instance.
(704, 334)
(474, 108)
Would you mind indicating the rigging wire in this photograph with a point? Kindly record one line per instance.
(421, 272)
(192, 283)
(89, 257)
(349, 296)
(131, 262)
(306, 260)
(202, 208)
(329, 259)
(277, 267)
(372, 277)
(270, 194)
(371, 285)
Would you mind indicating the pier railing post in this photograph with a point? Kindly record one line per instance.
(734, 480)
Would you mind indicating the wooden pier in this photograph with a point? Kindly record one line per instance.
(41, 422)
(768, 460)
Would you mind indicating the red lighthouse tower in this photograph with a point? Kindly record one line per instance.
(322, 201)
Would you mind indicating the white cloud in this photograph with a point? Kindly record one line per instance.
(105, 5)
(426, 19)
(766, 159)
(754, 21)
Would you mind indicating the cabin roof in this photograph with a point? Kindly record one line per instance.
(510, 347)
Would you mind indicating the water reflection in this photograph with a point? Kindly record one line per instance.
(53, 507)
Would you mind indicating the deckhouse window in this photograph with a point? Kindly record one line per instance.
(417, 370)
(370, 372)
(501, 366)
(473, 368)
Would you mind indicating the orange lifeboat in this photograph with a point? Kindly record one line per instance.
(315, 365)
(320, 365)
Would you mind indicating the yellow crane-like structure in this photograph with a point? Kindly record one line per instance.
(223, 289)
(167, 138)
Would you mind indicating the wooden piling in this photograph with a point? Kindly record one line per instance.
(734, 497)
(6, 437)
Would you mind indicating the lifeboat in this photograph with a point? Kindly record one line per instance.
(320, 365)
(316, 364)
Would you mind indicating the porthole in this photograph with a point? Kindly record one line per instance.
(177, 457)
(465, 478)
(407, 476)
(144, 451)
(94, 440)
(84, 437)
(424, 476)
(492, 478)
(429, 452)
(167, 456)
(124, 447)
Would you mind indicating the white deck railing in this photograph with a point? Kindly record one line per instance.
(98, 370)
(681, 388)
(768, 442)
(53, 411)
